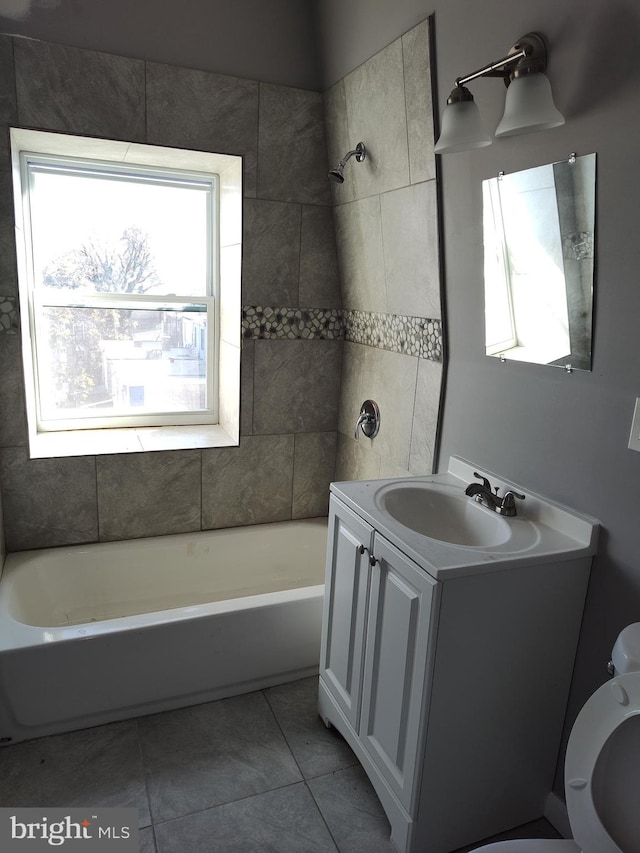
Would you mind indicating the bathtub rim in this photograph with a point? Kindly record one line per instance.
(15, 634)
(21, 636)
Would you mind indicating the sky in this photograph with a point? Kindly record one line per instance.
(67, 210)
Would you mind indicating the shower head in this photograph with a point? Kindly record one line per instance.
(337, 174)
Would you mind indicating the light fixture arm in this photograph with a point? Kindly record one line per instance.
(528, 55)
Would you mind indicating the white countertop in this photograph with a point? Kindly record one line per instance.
(542, 532)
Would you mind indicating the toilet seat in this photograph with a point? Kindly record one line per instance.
(615, 703)
(539, 845)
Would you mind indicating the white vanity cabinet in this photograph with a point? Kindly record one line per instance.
(376, 643)
(451, 688)
(349, 547)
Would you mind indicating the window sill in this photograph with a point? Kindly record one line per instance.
(94, 442)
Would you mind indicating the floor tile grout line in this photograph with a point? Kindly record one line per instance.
(155, 822)
(211, 808)
(304, 778)
(320, 812)
(145, 775)
(303, 781)
(286, 740)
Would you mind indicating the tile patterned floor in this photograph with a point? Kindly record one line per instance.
(250, 774)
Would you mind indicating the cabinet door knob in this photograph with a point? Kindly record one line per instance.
(361, 550)
(372, 560)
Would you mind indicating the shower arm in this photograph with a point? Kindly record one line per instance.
(359, 152)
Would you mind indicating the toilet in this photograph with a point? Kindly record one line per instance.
(602, 766)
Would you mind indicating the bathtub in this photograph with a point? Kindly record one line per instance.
(96, 633)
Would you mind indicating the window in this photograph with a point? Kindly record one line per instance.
(121, 297)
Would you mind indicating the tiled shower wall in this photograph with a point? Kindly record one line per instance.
(2, 546)
(290, 383)
(387, 239)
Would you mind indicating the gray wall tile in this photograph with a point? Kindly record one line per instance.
(360, 255)
(410, 235)
(351, 393)
(387, 254)
(79, 91)
(249, 484)
(247, 360)
(47, 502)
(355, 460)
(292, 153)
(210, 112)
(271, 256)
(339, 143)
(8, 268)
(418, 96)
(8, 107)
(313, 470)
(390, 380)
(296, 386)
(148, 494)
(319, 280)
(389, 470)
(376, 116)
(13, 421)
(3, 547)
(425, 417)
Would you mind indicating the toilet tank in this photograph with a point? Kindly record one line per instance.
(626, 651)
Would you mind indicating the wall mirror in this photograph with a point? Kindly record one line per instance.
(539, 245)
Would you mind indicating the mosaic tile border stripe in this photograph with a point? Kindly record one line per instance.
(292, 323)
(8, 315)
(418, 336)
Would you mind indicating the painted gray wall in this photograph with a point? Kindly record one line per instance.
(564, 436)
(269, 40)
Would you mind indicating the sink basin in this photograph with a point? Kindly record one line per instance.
(431, 520)
(444, 515)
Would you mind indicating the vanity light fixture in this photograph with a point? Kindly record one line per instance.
(529, 104)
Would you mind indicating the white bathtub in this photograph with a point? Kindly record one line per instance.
(96, 633)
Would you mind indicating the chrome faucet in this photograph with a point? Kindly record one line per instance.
(482, 492)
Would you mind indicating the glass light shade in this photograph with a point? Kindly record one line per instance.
(529, 106)
(462, 129)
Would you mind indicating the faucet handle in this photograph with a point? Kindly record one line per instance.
(485, 482)
(508, 505)
(368, 420)
(363, 418)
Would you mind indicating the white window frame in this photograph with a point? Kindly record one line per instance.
(219, 425)
(497, 269)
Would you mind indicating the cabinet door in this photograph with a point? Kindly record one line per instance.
(397, 671)
(345, 608)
